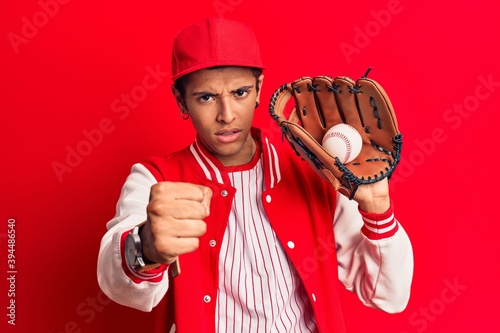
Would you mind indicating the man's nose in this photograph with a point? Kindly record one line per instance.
(226, 110)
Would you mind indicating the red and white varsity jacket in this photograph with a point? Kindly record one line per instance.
(324, 235)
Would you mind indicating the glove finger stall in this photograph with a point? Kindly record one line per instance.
(311, 118)
(347, 102)
(326, 101)
(379, 120)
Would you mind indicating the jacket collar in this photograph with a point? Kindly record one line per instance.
(214, 171)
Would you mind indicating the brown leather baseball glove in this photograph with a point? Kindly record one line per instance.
(322, 102)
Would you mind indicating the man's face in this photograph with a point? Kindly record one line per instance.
(221, 104)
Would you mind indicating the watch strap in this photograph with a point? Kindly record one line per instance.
(146, 267)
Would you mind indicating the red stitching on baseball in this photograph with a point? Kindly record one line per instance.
(344, 138)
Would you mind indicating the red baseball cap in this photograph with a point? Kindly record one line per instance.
(214, 42)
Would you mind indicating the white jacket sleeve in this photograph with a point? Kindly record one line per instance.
(116, 279)
(376, 264)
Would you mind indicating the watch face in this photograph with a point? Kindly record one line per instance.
(130, 254)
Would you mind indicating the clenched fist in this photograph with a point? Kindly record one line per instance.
(175, 220)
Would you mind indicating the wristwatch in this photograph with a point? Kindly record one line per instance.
(133, 252)
(133, 249)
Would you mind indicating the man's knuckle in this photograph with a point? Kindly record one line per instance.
(202, 228)
(156, 206)
(195, 243)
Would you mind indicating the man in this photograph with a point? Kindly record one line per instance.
(260, 251)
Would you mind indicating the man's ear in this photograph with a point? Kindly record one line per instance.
(179, 99)
(260, 81)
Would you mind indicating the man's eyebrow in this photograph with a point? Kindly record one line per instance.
(203, 93)
(208, 93)
(242, 88)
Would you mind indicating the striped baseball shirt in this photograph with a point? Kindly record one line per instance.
(259, 289)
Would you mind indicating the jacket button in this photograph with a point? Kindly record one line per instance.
(224, 193)
(268, 198)
(207, 299)
(212, 243)
(291, 244)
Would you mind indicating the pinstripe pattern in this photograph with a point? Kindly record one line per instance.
(259, 290)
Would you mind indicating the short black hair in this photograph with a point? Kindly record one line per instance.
(181, 83)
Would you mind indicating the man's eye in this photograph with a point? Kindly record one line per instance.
(206, 98)
(241, 92)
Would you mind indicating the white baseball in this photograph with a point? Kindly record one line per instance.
(342, 141)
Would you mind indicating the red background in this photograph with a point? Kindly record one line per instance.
(64, 66)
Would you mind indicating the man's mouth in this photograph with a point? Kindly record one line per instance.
(227, 133)
(228, 136)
